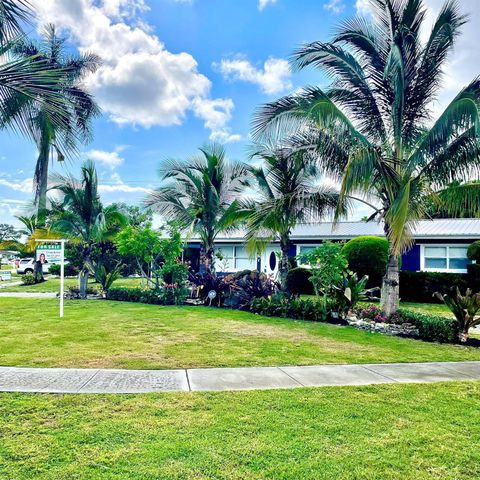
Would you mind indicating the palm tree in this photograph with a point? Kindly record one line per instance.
(201, 195)
(27, 76)
(56, 131)
(81, 216)
(286, 195)
(373, 126)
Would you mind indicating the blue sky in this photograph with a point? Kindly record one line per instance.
(177, 73)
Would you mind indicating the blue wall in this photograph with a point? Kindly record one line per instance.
(411, 259)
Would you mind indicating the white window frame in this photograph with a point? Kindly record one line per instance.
(444, 245)
(299, 252)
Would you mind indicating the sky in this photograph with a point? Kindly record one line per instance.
(179, 73)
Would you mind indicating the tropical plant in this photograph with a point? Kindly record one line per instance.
(464, 307)
(373, 129)
(26, 76)
(286, 194)
(328, 265)
(30, 224)
(56, 131)
(81, 216)
(350, 291)
(105, 277)
(457, 200)
(201, 195)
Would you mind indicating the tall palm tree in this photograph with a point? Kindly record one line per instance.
(24, 76)
(201, 195)
(286, 194)
(81, 216)
(56, 131)
(373, 126)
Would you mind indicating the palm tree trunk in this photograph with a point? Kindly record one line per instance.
(41, 178)
(390, 287)
(83, 282)
(283, 266)
(209, 252)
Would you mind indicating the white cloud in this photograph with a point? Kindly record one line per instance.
(363, 7)
(140, 81)
(117, 185)
(109, 159)
(334, 6)
(264, 3)
(273, 78)
(216, 113)
(24, 186)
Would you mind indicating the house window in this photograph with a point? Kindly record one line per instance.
(243, 260)
(445, 258)
(304, 250)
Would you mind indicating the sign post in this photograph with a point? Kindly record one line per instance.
(57, 243)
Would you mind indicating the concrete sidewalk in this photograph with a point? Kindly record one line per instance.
(28, 294)
(65, 380)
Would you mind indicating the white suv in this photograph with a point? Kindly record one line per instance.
(26, 265)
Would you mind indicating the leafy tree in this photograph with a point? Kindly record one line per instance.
(201, 196)
(144, 245)
(56, 131)
(136, 216)
(285, 195)
(81, 216)
(8, 233)
(373, 129)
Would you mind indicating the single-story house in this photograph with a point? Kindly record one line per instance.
(440, 245)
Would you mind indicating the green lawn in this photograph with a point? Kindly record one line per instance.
(52, 284)
(126, 335)
(382, 432)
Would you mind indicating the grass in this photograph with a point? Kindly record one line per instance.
(126, 335)
(52, 284)
(381, 432)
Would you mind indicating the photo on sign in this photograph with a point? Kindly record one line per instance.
(48, 255)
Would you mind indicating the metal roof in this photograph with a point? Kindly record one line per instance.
(452, 228)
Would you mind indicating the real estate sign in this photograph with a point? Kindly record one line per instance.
(49, 254)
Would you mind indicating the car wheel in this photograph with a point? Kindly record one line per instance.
(28, 270)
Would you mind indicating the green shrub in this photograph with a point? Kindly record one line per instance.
(367, 255)
(69, 270)
(135, 295)
(473, 252)
(298, 281)
(28, 279)
(420, 286)
(287, 307)
(432, 328)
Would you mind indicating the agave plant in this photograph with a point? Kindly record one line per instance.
(350, 291)
(464, 307)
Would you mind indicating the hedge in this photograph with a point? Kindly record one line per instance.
(367, 255)
(420, 286)
(136, 295)
(294, 308)
(298, 281)
(432, 328)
